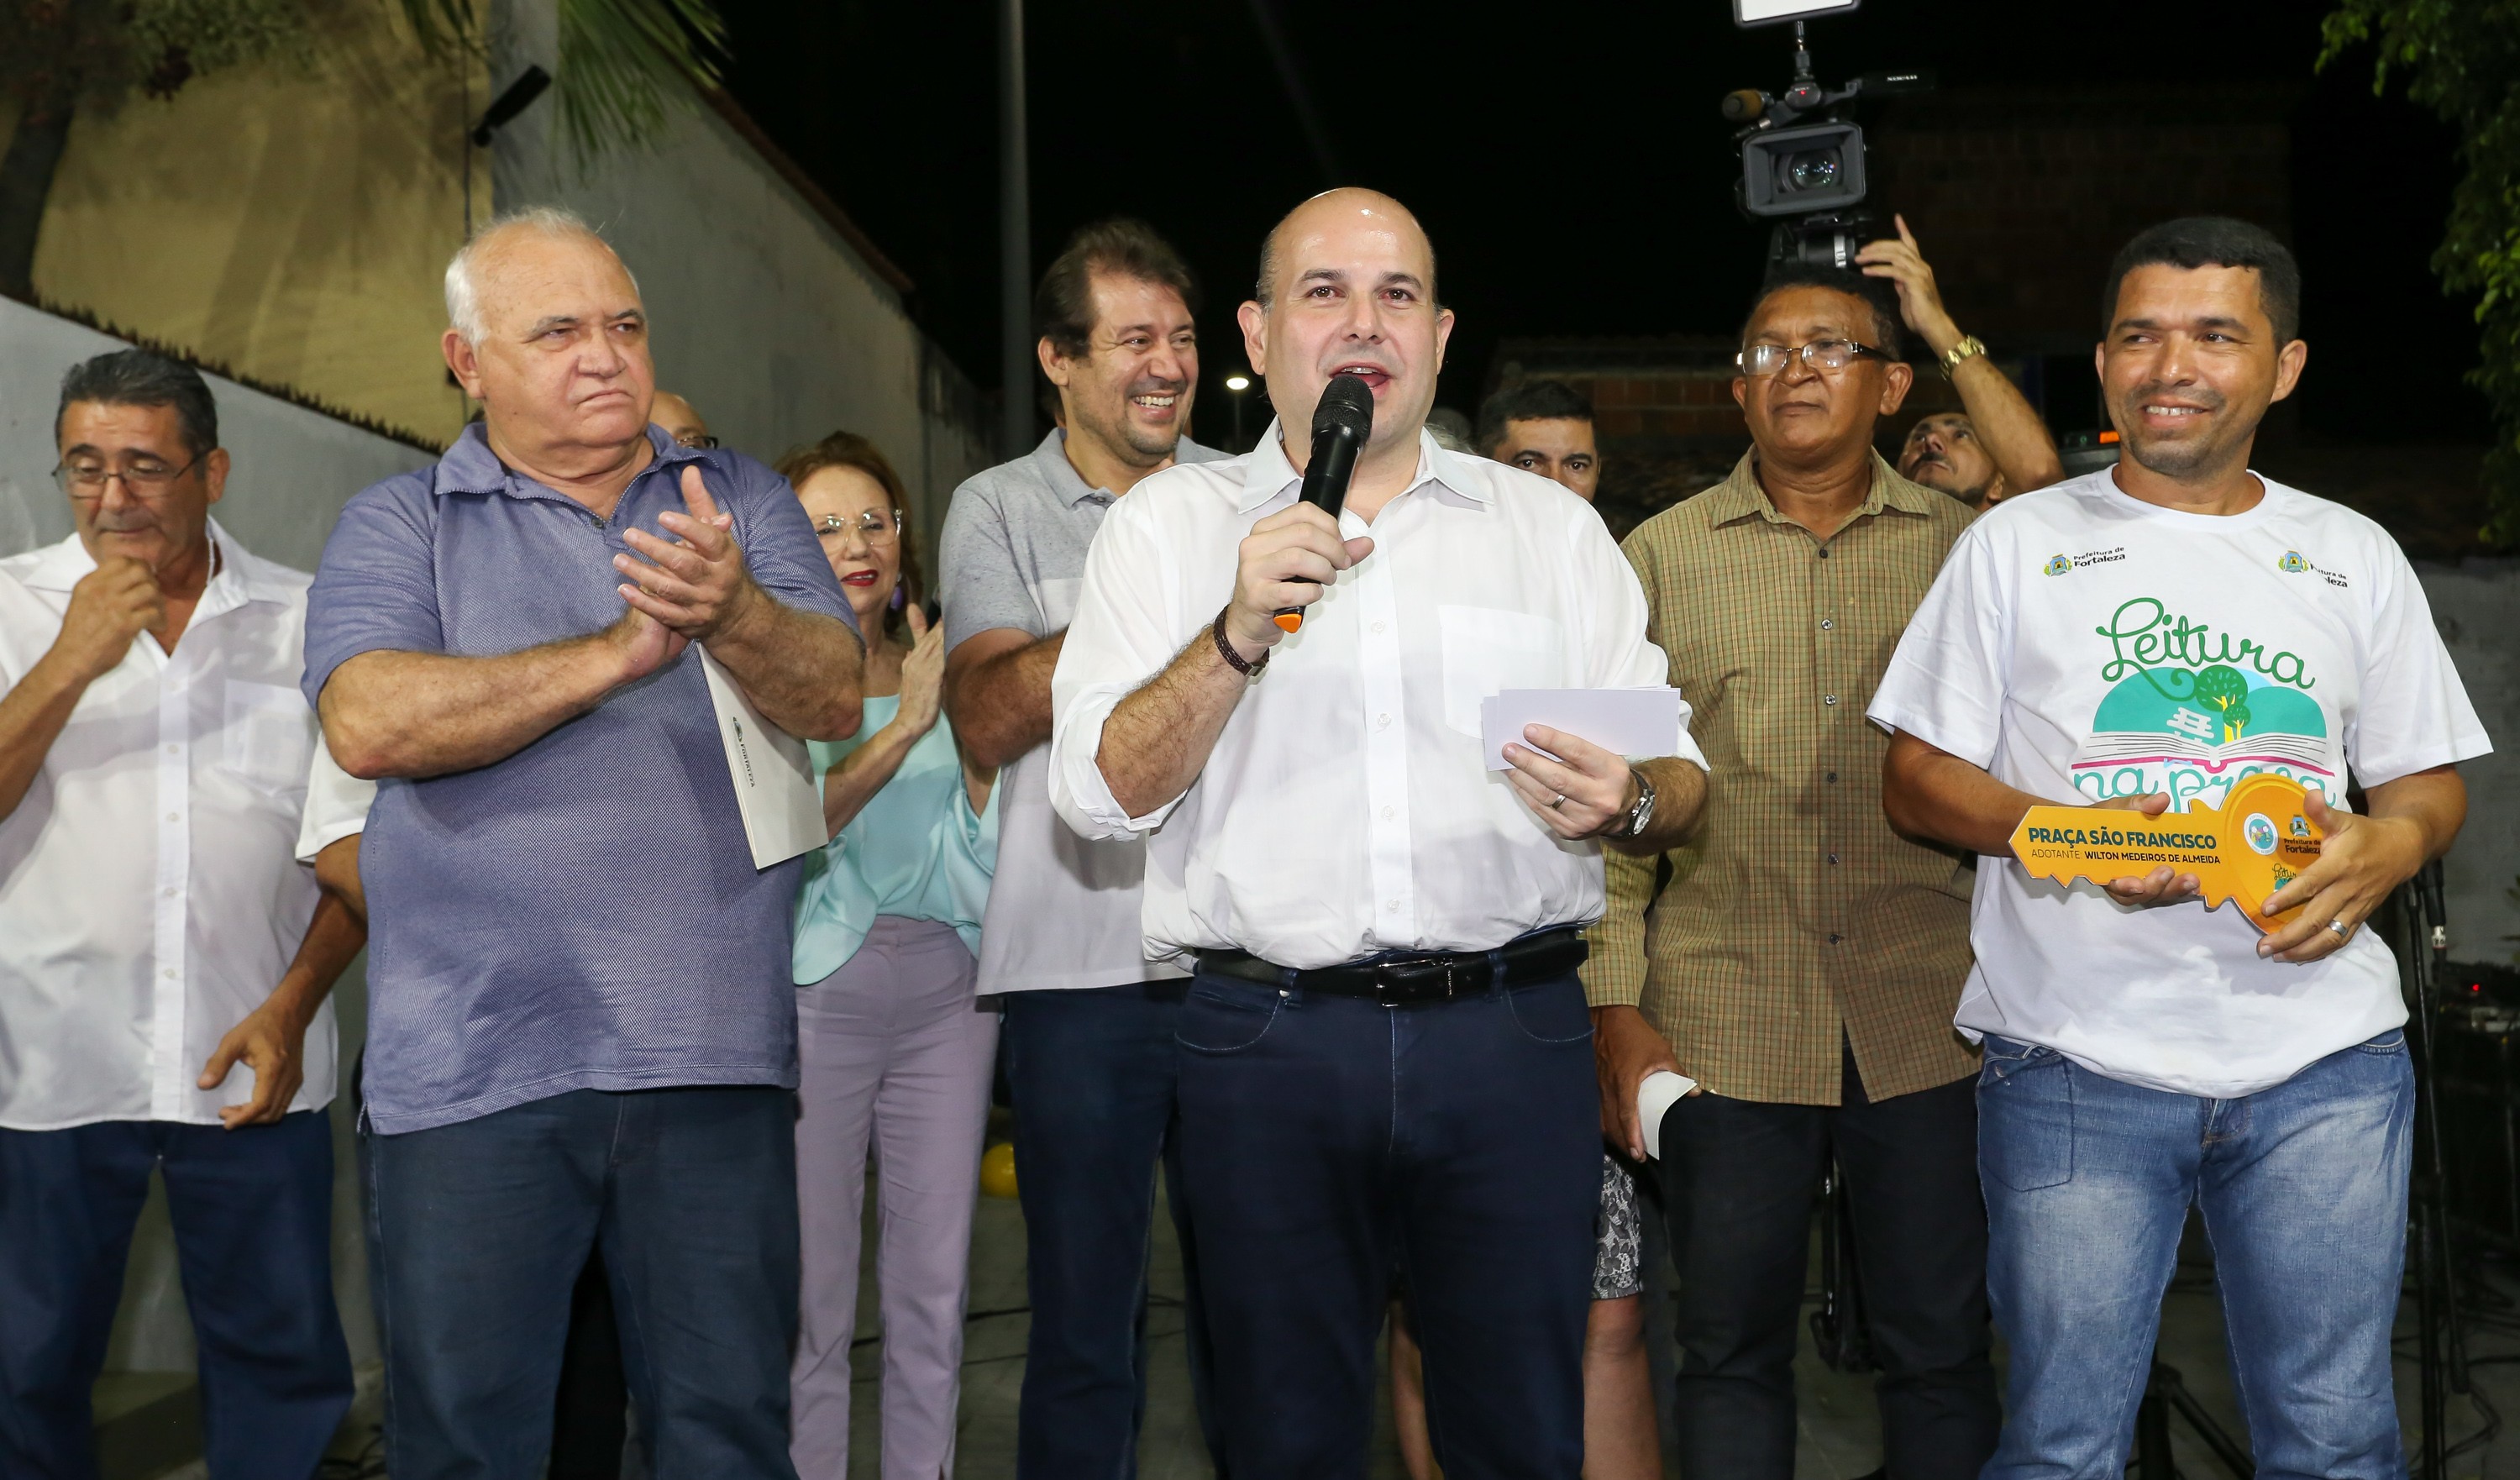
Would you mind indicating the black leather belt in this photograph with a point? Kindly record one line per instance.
(1403, 981)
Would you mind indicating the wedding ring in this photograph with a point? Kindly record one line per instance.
(1559, 803)
(2340, 927)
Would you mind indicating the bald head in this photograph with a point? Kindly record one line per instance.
(680, 420)
(1331, 207)
(496, 246)
(1347, 286)
(545, 331)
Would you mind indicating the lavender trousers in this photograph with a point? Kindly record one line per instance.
(892, 1051)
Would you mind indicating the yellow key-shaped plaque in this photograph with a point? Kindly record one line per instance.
(2258, 842)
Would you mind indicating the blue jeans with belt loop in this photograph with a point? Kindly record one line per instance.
(2303, 1188)
(1328, 1139)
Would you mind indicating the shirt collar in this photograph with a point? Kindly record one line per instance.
(1740, 495)
(1050, 460)
(242, 576)
(1267, 473)
(471, 467)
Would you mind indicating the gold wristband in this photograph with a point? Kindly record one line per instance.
(1970, 344)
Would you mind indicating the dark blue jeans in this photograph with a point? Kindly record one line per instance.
(477, 1232)
(253, 1211)
(1093, 1074)
(1326, 1143)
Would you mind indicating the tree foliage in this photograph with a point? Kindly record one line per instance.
(2461, 59)
(59, 56)
(623, 64)
(2226, 690)
(101, 50)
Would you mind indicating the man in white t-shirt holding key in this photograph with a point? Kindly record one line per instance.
(2143, 638)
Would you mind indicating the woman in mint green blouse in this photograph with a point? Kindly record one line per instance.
(894, 1053)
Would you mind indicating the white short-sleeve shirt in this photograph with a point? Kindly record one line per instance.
(2080, 645)
(150, 897)
(1347, 808)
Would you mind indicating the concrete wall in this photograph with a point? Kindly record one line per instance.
(766, 315)
(2476, 604)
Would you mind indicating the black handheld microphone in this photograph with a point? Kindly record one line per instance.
(1341, 422)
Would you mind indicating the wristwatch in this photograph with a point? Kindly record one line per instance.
(1970, 344)
(1641, 816)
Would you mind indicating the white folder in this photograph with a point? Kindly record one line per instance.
(774, 776)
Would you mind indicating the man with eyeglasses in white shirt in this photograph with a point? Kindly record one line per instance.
(1386, 1057)
(156, 934)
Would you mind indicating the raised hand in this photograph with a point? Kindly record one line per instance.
(696, 584)
(1286, 560)
(922, 675)
(110, 607)
(1920, 300)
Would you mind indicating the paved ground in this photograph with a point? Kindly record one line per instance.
(1840, 1438)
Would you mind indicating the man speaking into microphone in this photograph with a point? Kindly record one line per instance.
(1386, 1058)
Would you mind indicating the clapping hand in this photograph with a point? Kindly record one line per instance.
(695, 586)
(923, 673)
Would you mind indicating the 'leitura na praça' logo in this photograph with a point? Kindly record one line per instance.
(2191, 710)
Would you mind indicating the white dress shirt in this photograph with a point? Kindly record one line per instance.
(149, 899)
(1347, 808)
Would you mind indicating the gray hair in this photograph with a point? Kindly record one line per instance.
(138, 377)
(464, 291)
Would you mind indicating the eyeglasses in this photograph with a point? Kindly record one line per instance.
(1819, 354)
(141, 478)
(696, 441)
(872, 526)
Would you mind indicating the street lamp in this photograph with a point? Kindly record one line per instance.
(1238, 385)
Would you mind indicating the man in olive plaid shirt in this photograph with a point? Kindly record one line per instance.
(1803, 961)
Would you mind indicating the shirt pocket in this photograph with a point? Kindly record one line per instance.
(1488, 649)
(268, 740)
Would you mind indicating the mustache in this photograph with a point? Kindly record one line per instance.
(2202, 395)
(1156, 387)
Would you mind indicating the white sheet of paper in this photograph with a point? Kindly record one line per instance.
(1662, 1088)
(1639, 723)
(774, 776)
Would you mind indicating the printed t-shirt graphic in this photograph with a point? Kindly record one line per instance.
(2081, 645)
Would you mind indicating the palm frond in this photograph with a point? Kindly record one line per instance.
(623, 65)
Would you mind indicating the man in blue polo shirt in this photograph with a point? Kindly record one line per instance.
(580, 1026)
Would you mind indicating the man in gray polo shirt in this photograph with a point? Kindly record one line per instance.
(1089, 1020)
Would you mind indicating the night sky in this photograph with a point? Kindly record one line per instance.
(1567, 158)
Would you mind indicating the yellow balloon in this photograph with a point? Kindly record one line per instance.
(998, 1170)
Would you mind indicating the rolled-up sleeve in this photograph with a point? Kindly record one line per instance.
(1122, 634)
(376, 590)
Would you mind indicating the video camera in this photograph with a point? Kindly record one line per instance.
(1802, 165)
